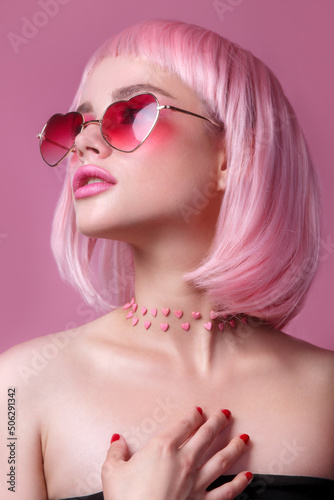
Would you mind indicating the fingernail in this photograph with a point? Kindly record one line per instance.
(227, 414)
(249, 476)
(114, 437)
(245, 438)
(199, 409)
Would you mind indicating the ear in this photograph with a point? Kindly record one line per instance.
(222, 172)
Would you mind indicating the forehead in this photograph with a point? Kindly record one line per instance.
(116, 78)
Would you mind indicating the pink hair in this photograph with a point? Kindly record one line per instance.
(265, 251)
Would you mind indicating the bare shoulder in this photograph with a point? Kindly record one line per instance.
(314, 399)
(42, 363)
(47, 354)
(20, 408)
(23, 363)
(295, 380)
(306, 362)
(309, 381)
(318, 371)
(315, 363)
(297, 369)
(31, 375)
(35, 367)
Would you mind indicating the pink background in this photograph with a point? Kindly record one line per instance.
(294, 37)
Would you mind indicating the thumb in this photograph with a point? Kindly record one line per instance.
(117, 455)
(118, 450)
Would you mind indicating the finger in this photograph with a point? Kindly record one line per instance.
(117, 454)
(232, 489)
(118, 450)
(183, 429)
(206, 434)
(221, 461)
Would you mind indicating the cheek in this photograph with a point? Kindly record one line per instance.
(172, 170)
(174, 148)
(162, 134)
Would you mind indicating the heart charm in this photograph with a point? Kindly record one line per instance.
(178, 314)
(129, 315)
(164, 326)
(213, 315)
(244, 320)
(134, 307)
(127, 305)
(196, 315)
(208, 326)
(132, 301)
(154, 311)
(144, 311)
(134, 321)
(185, 326)
(232, 323)
(221, 326)
(147, 324)
(165, 311)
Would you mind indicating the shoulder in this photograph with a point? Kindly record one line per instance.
(294, 367)
(314, 363)
(23, 363)
(293, 386)
(309, 381)
(22, 385)
(32, 375)
(304, 361)
(42, 362)
(52, 355)
(314, 395)
(317, 368)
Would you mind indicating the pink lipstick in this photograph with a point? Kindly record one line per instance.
(90, 180)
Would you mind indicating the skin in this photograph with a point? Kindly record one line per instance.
(108, 377)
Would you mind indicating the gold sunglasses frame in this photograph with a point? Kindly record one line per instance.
(84, 124)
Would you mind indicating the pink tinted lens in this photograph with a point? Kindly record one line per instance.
(126, 124)
(59, 135)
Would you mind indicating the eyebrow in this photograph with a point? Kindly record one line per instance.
(125, 93)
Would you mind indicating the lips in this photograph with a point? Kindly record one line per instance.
(89, 180)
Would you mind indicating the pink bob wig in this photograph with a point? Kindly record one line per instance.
(266, 246)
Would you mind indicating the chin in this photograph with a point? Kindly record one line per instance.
(92, 228)
(98, 230)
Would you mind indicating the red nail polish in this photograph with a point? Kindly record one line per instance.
(199, 409)
(249, 475)
(227, 414)
(245, 438)
(114, 437)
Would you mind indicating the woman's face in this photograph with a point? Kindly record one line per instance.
(174, 179)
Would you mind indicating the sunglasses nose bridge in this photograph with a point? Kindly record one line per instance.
(85, 124)
(86, 143)
(90, 122)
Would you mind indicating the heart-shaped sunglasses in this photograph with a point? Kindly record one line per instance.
(125, 125)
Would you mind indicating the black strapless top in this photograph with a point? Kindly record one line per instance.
(269, 487)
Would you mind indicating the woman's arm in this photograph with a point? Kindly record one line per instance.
(21, 462)
(167, 468)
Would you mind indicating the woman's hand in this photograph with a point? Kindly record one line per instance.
(166, 468)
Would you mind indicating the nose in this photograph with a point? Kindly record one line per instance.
(89, 144)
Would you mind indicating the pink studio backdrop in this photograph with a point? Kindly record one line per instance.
(44, 46)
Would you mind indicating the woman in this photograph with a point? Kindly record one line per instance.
(197, 182)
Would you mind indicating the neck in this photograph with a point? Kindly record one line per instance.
(169, 314)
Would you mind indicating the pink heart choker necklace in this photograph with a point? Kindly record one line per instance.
(146, 316)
